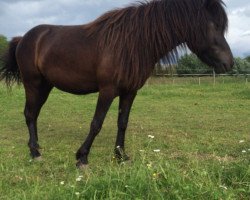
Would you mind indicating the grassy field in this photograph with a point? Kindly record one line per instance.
(200, 149)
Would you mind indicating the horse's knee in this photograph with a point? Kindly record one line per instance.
(95, 127)
(122, 125)
(28, 117)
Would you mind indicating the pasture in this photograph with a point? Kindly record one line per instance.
(185, 140)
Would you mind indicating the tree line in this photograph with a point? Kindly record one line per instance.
(190, 64)
(3, 47)
(187, 64)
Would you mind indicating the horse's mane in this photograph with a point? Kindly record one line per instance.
(141, 34)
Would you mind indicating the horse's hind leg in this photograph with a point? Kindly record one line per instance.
(36, 95)
(125, 104)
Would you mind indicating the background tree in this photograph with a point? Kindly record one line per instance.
(3, 47)
(164, 69)
(242, 66)
(190, 64)
(248, 59)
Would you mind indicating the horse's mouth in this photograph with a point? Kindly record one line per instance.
(219, 66)
(222, 68)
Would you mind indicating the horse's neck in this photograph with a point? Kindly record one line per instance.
(174, 34)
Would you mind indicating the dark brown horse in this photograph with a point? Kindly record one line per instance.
(114, 55)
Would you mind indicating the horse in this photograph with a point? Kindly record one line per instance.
(113, 55)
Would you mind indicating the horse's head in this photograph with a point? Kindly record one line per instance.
(210, 45)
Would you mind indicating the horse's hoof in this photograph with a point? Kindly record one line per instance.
(124, 160)
(125, 157)
(120, 155)
(121, 159)
(39, 158)
(81, 166)
(35, 154)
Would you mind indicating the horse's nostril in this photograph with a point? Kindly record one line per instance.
(233, 63)
(226, 67)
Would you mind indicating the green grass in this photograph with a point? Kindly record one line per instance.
(198, 129)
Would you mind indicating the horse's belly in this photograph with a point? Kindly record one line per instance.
(77, 90)
(72, 82)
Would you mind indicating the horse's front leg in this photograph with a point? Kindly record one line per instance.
(125, 103)
(105, 99)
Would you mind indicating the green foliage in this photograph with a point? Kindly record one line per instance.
(3, 47)
(242, 66)
(198, 129)
(3, 43)
(161, 69)
(248, 59)
(190, 64)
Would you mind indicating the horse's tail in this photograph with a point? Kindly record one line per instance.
(10, 72)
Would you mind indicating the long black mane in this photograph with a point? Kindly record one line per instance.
(139, 35)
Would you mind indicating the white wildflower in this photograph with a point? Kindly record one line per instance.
(224, 187)
(151, 136)
(241, 141)
(62, 182)
(157, 150)
(78, 179)
(244, 151)
(149, 165)
(77, 193)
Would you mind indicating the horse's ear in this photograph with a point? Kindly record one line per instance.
(211, 4)
(215, 8)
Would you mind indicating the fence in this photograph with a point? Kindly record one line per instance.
(200, 78)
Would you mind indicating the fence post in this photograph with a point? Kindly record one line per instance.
(214, 75)
(173, 80)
